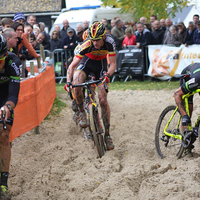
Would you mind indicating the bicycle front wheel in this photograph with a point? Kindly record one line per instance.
(95, 127)
(167, 146)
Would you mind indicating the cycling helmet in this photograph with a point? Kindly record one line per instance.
(96, 31)
(3, 46)
(85, 34)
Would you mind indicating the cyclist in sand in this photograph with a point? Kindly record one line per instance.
(91, 58)
(9, 90)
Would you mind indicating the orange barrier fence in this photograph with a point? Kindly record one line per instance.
(36, 98)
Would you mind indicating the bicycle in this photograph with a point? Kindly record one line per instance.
(170, 139)
(94, 128)
(3, 118)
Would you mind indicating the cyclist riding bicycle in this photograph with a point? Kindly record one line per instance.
(9, 90)
(91, 58)
(190, 83)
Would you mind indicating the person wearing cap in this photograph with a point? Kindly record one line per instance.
(19, 17)
(196, 36)
(70, 41)
(182, 31)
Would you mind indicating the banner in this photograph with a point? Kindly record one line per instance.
(35, 100)
(130, 61)
(166, 61)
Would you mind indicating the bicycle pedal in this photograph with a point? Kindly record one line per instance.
(163, 139)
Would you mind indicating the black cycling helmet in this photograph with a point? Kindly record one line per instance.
(96, 31)
(3, 46)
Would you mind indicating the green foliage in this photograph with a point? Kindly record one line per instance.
(146, 8)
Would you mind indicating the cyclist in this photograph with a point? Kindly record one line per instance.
(9, 89)
(91, 58)
(190, 83)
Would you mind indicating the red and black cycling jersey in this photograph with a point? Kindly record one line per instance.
(10, 79)
(87, 49)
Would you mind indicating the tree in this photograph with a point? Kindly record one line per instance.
(146, 8)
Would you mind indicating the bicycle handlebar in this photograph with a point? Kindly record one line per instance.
(91, 82)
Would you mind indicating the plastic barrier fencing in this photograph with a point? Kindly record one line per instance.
(36, 98)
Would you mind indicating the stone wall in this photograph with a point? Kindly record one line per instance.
(29, 6)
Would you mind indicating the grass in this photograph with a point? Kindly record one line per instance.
(134, 85)
(58, 105)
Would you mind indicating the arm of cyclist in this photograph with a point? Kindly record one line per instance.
(111, 69)
(178, 99)
(70, 73)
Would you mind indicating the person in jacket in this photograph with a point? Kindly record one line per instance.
(196, 36)
(190, 32)
(55, 42)
(172, 36)
(143, 36)
(182, 31)
(158, 32)
(129, 39)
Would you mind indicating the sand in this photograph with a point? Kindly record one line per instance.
(60, 164)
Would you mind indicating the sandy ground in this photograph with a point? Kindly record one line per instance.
(59, 164)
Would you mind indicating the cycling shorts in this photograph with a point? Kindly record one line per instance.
(96, 67)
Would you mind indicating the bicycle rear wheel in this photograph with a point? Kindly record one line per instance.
(167, 146)
(95, 127)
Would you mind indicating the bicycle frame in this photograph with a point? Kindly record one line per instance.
(179, 135)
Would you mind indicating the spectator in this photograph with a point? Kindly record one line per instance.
(195, 18)
(108, 30)
(31, 19)
(63, 31)
(55, 42)
(70, 41)
(182, 31)
(129, 39)
(46, 42)
(153, 18)
(196, 36)
(86, 25)
(19, 17)
(39, 40)
(148, 26)
(134, 27)
(143, 20)
(190, 33)
(20, 51)
(113, 23)
(6, 23)
(158, 32)
(57, 27)
(143, 36)
(168, 24)
(32, 40)
(105, 22)
(79, 32)
(162, 24)
(118, 33)
(11, 37)
(36, 31)
(172, 36)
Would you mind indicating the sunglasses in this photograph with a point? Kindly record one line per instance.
(2, 59)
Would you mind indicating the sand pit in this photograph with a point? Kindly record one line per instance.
(59, 164)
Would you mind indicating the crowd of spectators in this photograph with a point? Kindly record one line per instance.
(24, 36)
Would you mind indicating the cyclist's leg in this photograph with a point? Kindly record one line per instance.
(79, 77)
(105, 111)
(5, 156)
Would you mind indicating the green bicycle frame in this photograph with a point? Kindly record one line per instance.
(185, 97)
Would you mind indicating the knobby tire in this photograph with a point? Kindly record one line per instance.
(98, 138)
(174, 147)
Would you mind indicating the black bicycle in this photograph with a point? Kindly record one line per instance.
(94, 128)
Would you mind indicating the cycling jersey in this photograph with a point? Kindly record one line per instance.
(192, 82)
(87, 49)
(10, 81)
(94, 60)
